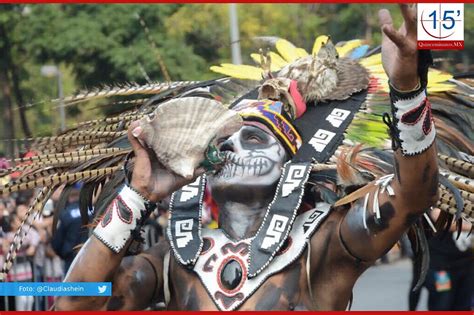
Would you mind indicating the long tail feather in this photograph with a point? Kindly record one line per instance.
(57, 179)
(110, 120)
(67, 155)
(422, 257)
(459, 181)
(131, 89)
(459, 166)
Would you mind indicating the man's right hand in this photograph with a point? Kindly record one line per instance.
(399, 48)
(150, 178)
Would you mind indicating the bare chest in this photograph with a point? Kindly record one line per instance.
(286, 290)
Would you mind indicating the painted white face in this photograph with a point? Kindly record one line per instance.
(254, 157)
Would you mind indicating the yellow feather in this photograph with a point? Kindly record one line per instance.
(437, 80)
(301, 52)
(432, 88)
(318, 42)
(287, 50)
(372, 60)
(256, 58)
(277, 60)
(276, 64)
(239, 72)
(348, 46)
(435, 76)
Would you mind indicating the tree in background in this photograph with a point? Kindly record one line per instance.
(10, 73)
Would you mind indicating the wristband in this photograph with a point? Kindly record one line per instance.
(415, 89)
(412, 129)
(123, 218)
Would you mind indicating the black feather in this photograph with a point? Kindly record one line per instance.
(458, 228)
(109, 191)
(443, 223)
(326, 194)
(61, 205)
(324, 176)
(85, 200)
(421, 256)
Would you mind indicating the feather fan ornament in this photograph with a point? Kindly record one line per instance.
(325, 76)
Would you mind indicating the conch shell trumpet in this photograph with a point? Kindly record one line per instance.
(183, 132)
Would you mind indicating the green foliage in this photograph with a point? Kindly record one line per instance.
(206, 27)
(106, 43)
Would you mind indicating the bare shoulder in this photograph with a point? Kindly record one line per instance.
(333, 269)
(152, 259)
(329, 249)
(157, 251)
(138, 282)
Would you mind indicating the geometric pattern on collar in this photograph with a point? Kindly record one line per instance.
(221, 258)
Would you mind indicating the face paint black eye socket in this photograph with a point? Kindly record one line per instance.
(255, 135)
(254, 139)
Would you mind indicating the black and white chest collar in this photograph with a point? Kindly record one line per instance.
(222, 265)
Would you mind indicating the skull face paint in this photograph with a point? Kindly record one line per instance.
(254, 157)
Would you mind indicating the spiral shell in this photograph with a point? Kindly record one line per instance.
(181, 130)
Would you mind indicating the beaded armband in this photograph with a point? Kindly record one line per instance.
(411, 125)
(123, 219)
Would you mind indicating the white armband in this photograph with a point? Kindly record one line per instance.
(413, 121)
(123, 218)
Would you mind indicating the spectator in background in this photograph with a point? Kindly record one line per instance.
(24, 198)
(22, 270)
(4, 215)
(5, 301)
(70, 231)
(6, 202)
(4, 164)
(53, 267)
(450, 278)
(42, 224)
(21, 210)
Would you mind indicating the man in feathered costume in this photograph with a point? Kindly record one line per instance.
(295, 232)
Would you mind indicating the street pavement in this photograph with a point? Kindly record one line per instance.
(385, 288)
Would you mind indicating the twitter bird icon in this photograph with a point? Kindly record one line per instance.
(102, 289)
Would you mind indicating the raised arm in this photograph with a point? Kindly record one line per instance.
(136, 280)
(378, 219)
